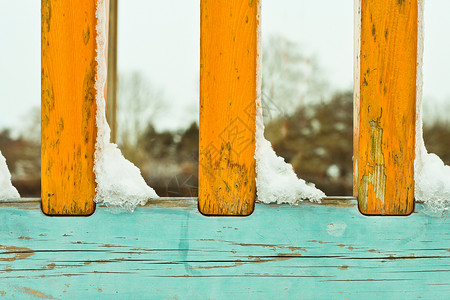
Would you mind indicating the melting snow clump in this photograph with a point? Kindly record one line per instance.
(432, 180)
(432, 176)
(7, 190)
(119, 182)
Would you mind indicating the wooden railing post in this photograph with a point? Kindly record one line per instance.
(111, 103)
(228, 66)
(385, 107)
(68, 106)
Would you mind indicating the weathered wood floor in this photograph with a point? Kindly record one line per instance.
(169, 250)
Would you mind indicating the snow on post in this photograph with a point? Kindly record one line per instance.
(7, 190)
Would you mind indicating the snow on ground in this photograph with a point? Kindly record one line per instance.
(7, 190)
(119, 182)
(432, 176)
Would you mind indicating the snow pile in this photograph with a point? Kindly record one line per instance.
(7, 191)
(432, 177)
(119, 182)
(276, 181)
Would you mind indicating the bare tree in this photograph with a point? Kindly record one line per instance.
(139, 104)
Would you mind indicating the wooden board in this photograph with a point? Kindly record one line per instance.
(68, 106)
(228, 62)
(280, 252)
(111, 102)
(384, 148)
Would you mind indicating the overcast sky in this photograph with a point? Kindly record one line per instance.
(161, 40)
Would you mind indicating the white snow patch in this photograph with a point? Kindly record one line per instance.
(432, 176)
(119, 182)
(276, 181)
(7, 190)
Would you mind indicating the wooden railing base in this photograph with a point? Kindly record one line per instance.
(169, 250)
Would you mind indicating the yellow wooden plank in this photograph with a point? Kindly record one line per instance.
(228, 62)
(384, 149)
(68, 106)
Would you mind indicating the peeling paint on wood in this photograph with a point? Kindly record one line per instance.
(385, 107)
(278, 252)
(34, 293)
(68, 107)
(228, 61)
(12, 253)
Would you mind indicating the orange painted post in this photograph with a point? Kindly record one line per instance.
(386, 107)
(68, 106)
(228, 66)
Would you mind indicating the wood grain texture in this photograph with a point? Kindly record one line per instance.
(228, 62)
(68, 106)
(356, 88)
(384, 150)
(279, 252)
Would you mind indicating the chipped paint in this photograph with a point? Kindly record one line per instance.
(230, 180)
(46, 14)
(298, 257)
(16, 252)
(35, 293)
(86, 35)
(374, 182)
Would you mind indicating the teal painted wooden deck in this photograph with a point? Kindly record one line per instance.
(169, 250)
